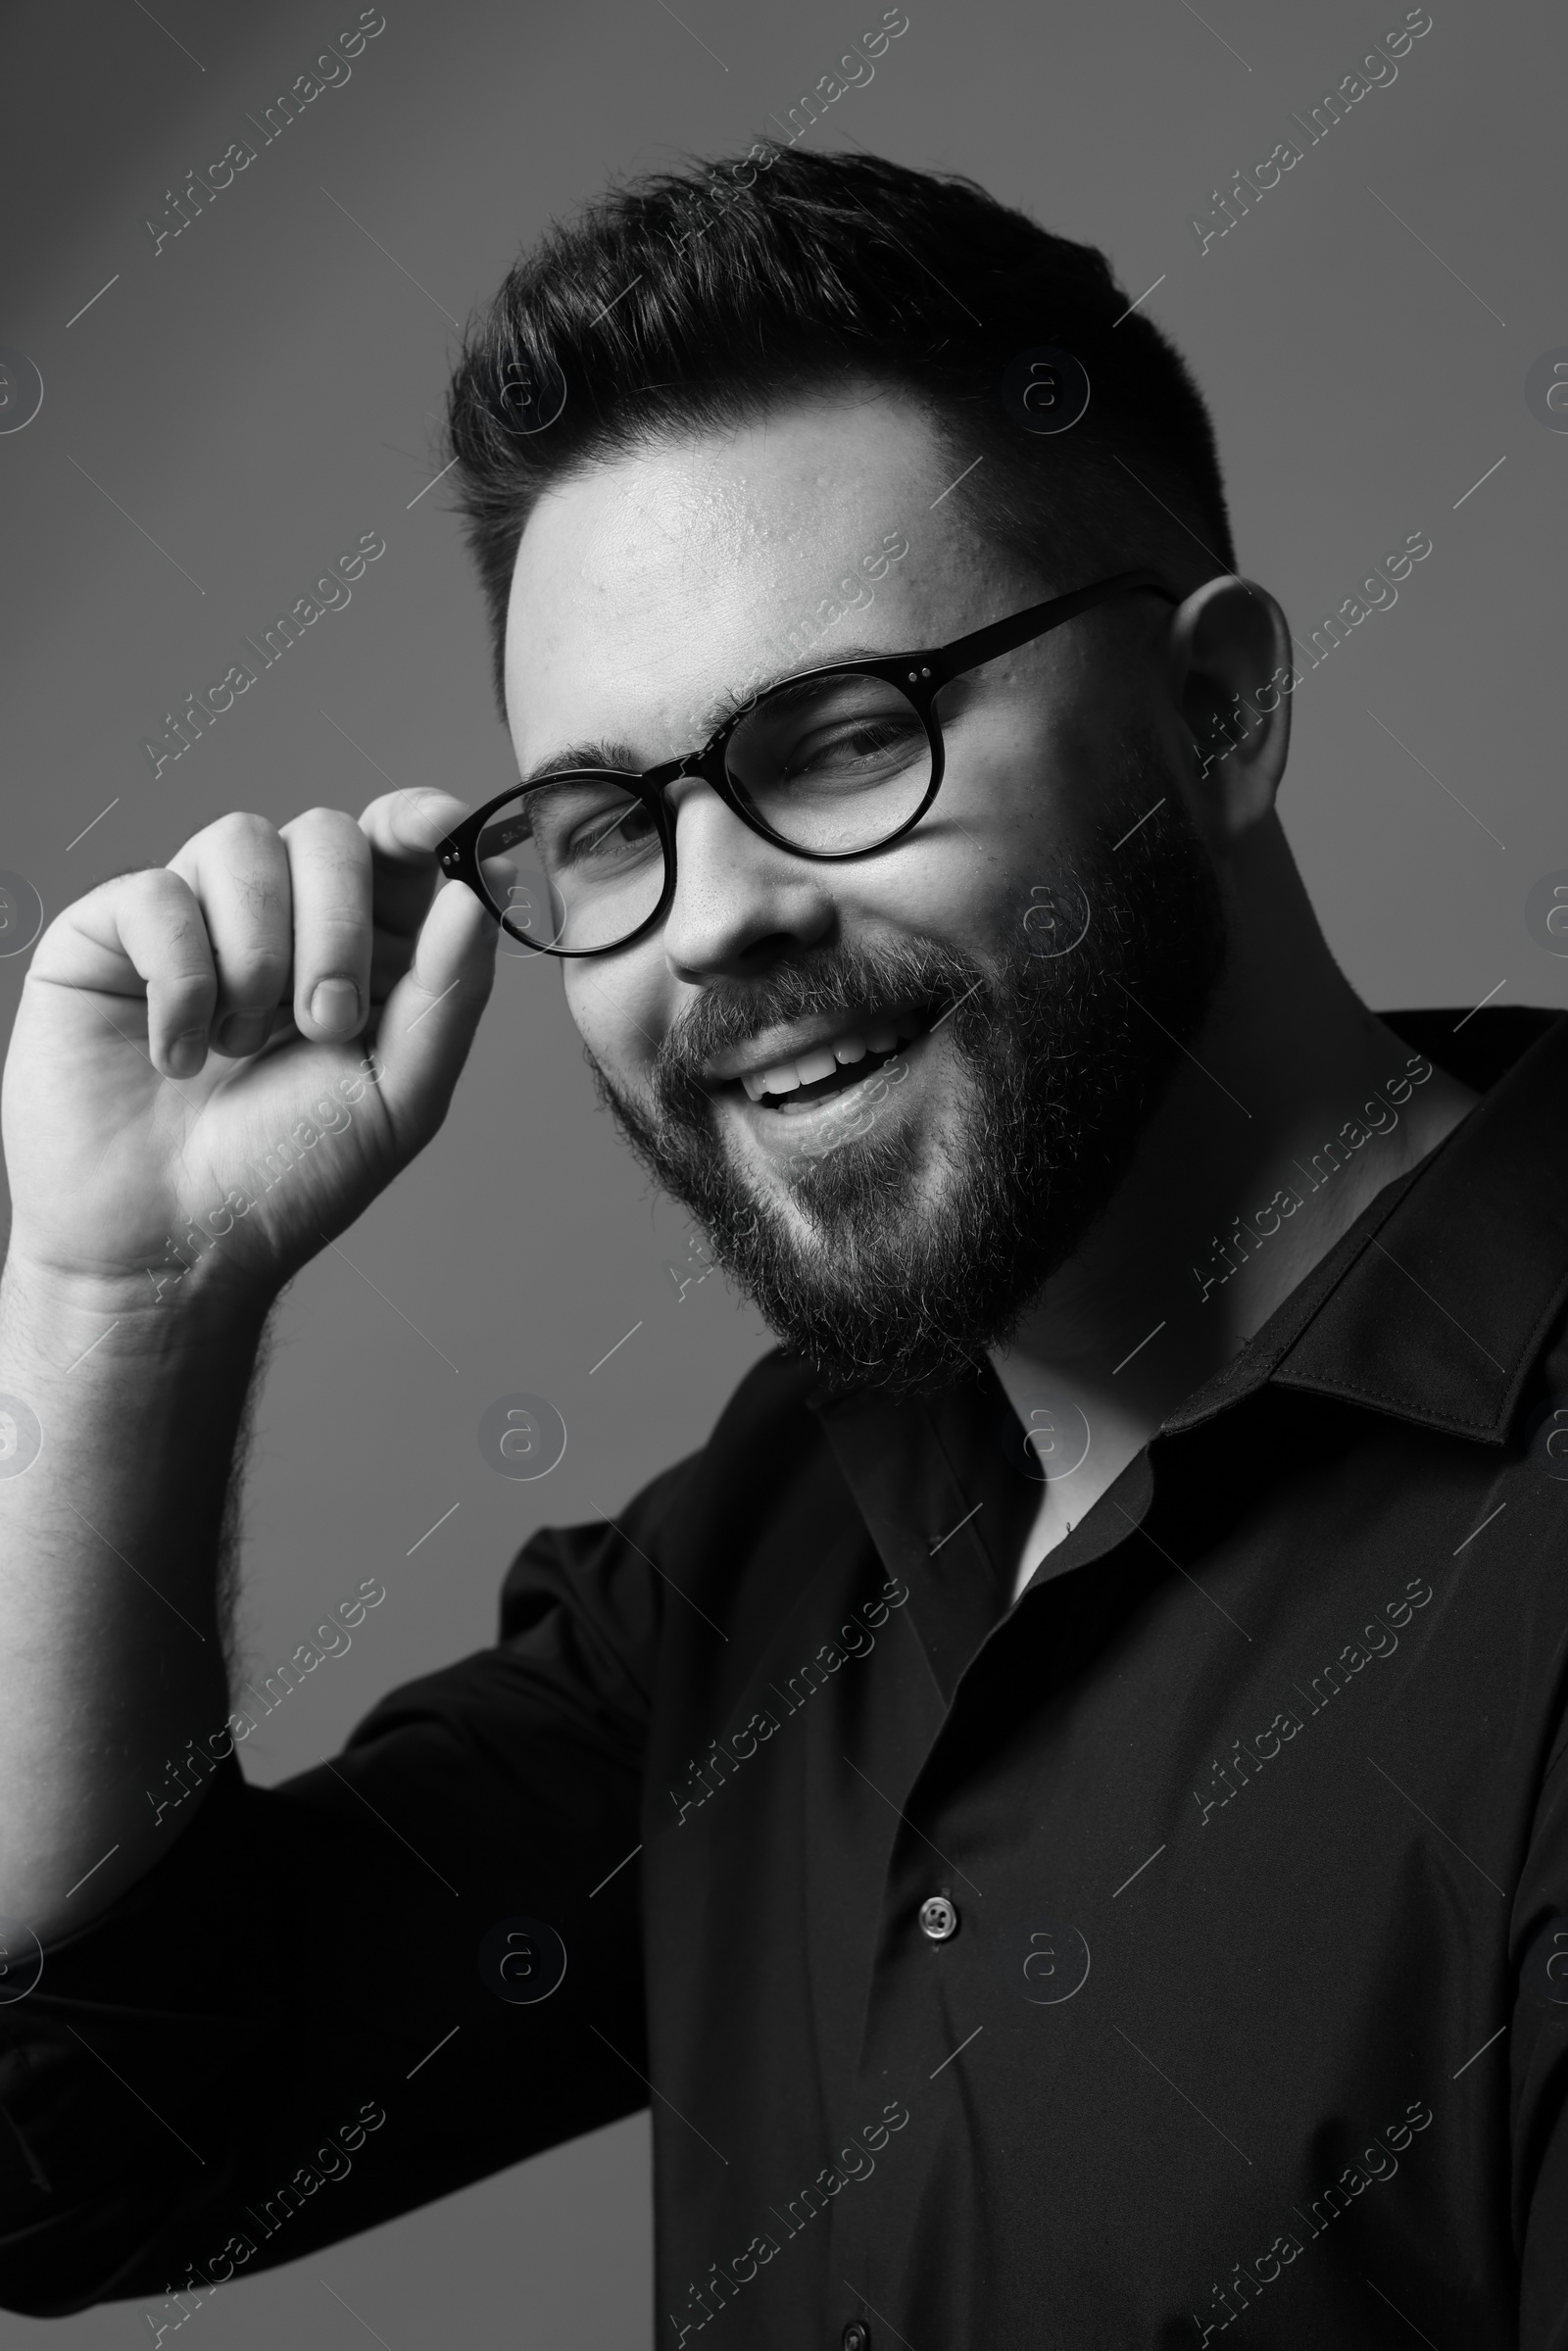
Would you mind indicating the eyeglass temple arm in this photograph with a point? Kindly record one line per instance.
(1005, 636)
(965, 653)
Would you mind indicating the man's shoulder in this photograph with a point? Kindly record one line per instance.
(717, 1495)
(1477, 1046)
(777, 1391)
(766, 1437)
(765, 1426)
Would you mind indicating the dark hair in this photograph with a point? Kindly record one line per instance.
(703, 298)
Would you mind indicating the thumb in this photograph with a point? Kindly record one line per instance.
(429, 1019)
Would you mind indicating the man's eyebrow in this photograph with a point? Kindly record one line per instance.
(619, 755)
(582, 755)
(844, 656)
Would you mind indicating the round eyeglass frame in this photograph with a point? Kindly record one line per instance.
(918, 676)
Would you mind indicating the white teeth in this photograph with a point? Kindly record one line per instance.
(821, 1061)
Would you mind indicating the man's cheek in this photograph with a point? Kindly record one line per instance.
(619, 1032)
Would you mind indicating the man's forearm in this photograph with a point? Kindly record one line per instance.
(110, 1537)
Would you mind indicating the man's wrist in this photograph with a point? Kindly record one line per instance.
(63, 1318)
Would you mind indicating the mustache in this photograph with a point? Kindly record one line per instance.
(852, 980)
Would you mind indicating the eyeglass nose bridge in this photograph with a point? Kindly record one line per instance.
(706, 767)
(706, 764)
(709, 766)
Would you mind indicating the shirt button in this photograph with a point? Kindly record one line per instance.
(938, 1920)
(855, 2336)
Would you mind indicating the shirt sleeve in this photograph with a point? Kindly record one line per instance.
(307, 2017)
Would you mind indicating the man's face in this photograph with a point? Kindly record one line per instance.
(970, 1074)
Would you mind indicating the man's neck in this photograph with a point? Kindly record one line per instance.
(1295, 1107)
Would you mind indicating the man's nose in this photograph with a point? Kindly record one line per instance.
(739, 900)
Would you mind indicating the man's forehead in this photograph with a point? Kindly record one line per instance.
(675, 570)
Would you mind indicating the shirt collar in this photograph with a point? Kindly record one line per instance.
(1434, 1305)
(943, 1503)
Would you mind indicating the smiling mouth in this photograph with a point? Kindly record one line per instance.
(834, 1066)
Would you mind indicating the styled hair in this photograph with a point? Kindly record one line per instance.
(699, 300)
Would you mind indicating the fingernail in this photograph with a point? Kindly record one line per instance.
(187, 1053)
(335, 1005)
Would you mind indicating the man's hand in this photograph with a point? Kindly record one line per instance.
(191, 1082)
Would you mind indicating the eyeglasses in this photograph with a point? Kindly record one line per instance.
(838, 763)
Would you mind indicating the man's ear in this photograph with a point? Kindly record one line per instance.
(1231, 679)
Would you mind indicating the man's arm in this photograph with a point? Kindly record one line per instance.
(110, 1622)
(340, 1997)
(215, 1066)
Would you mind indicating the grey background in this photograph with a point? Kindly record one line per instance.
(266, 388)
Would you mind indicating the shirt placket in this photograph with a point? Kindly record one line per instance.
(948, 1512)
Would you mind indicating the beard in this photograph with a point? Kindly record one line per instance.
(928, 1242)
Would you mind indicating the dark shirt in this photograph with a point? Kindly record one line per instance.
(1247, 1819)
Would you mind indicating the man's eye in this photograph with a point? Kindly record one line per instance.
(857, 746)
(621, 828)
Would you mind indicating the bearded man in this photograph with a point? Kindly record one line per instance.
(1056, 1802)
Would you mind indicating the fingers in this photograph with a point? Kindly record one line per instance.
(322, 916)
(403, 830)
(152, 923)
(409, 827)
(238, 870)
(331, 881)
(430, 1017)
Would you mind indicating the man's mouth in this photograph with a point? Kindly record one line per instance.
(832, 1063)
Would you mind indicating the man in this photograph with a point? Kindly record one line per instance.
(1056, 1800)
